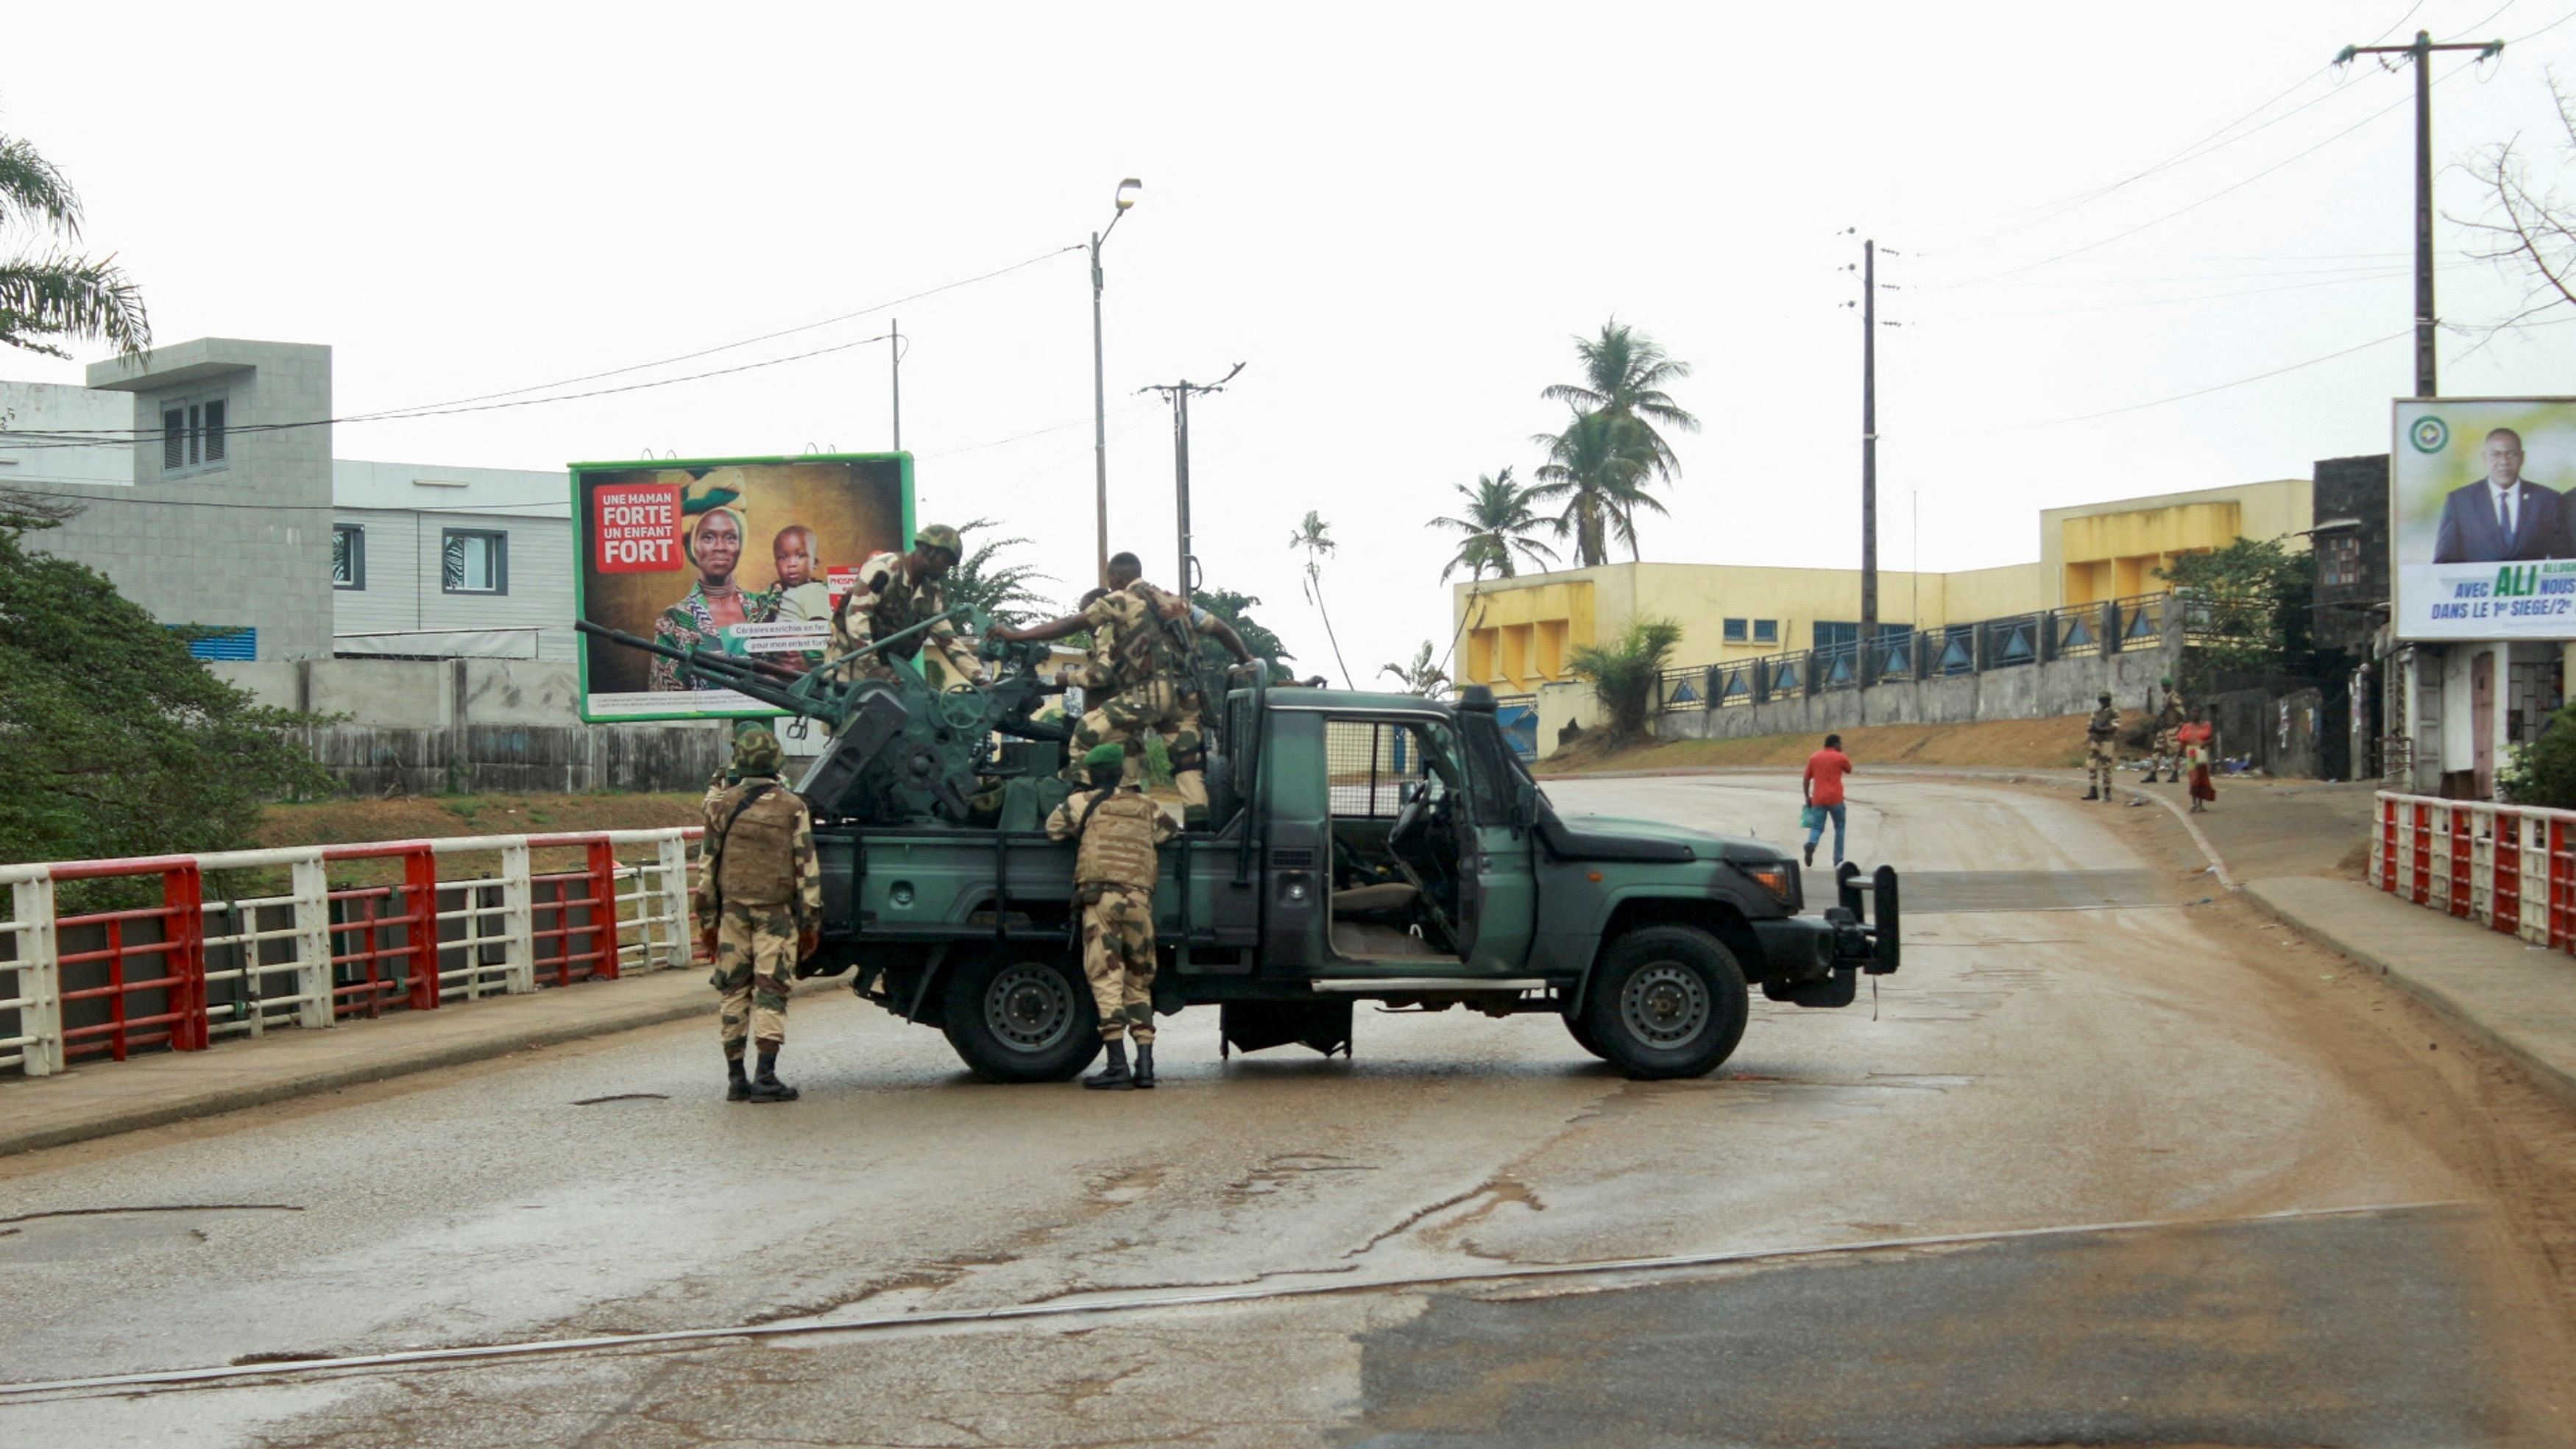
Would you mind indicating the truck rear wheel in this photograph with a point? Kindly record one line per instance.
(1665, 1001)
(1582, 1034)
(1021, 1016)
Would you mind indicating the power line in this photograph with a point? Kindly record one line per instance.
(2214, 387)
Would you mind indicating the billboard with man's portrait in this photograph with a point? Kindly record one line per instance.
(746, 556)
(2481, 526)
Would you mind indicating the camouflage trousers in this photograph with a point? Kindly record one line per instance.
(2168, 748)
(1118, 958)
(2101, 757)
(1125, 718)
(755, 969)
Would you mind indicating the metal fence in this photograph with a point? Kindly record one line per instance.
(2511, 868)
(1902, 655)
(177, 965)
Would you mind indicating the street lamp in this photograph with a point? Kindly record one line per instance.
(1125, 198)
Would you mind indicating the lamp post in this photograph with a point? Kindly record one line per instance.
(1125, 198)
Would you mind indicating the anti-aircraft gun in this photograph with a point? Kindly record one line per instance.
(902, 751)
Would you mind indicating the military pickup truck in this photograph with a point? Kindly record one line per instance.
(1363, 847)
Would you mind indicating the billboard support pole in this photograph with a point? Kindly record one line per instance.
(894, 351)
(1178, 395)
(2420, 51)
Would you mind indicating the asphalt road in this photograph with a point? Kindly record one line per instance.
(2187, 1182)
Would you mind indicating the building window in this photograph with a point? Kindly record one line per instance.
(1735, 631)
(1766, 631)
(348, 556)
(475, 563)
(194, 437)
(2339, 561)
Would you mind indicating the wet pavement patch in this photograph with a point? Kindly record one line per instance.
(623, 1097)
(2356, 1331)
(1933, 891)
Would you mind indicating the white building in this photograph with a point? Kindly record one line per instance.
(433, 560)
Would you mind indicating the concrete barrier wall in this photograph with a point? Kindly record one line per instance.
(520, 759)
(2030, 691)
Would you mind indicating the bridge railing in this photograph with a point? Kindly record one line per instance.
(179, 952)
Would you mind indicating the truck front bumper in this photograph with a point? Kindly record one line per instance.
(1818, 961)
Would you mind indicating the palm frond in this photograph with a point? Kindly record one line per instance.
(75, 297)
(31, 186)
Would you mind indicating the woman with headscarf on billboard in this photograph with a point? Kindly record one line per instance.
(713, 533)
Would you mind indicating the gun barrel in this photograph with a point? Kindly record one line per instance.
(745, 676)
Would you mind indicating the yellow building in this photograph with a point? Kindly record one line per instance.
(1517, 632)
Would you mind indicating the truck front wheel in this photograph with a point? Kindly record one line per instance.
(1021, 1016)
(1665, 1001)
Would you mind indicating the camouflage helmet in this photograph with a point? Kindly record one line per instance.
(2106, 696)
(1105, 757)
(756, 752)
(939, 535)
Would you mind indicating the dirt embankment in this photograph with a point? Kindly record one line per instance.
(423, 817)
(2011, 743)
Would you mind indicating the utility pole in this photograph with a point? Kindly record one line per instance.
(1178, 395)
(894, 350)
(1123, 199)
(1869, 325)
(2421, 53)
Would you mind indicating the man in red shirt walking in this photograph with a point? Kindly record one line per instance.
(1824, 785)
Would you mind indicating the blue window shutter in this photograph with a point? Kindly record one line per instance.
(237, 644)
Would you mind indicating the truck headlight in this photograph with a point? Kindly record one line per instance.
(1779, 877)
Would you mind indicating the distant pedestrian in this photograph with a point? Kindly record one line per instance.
(1824, 790)
(2196, 739)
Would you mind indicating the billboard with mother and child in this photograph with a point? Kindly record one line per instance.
(2481, 524)
(746, 555)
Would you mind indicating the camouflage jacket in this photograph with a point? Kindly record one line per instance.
(2105, 725)
(689, 623)
(884, 601)
(1137, 631)
(804, 910)
(2170, 714)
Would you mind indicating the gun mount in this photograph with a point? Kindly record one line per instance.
(902, 751)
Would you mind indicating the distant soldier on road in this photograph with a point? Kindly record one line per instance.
(2102, 750)
(2170, 714)
(1151, 638)
(1114, 883)
(758, 908)
(894, 592)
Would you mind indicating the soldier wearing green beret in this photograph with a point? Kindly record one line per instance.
(758, 908)
(1114, 883)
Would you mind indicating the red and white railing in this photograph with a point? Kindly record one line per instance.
(2511, 868)
(196, 968)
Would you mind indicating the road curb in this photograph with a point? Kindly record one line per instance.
(2558, 1078)
(400, 1060)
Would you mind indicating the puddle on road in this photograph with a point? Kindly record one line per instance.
(91, 1232)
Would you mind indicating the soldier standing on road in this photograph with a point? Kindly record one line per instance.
(894, 592)
(1152, 638)
(1114, 881)
(758, 908)
(2102, 749)
(2170, 713)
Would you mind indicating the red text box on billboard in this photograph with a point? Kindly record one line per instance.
(635, 527)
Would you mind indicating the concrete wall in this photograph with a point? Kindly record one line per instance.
(244, 545)
(492, 759)
(2035, 691)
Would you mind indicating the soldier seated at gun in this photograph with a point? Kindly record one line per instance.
(895, 592)
(1151, 641)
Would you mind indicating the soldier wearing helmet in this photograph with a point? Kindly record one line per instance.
(894, 592)
(758, 908)
(1114, 885)
(2171, 711)
(2101, 749)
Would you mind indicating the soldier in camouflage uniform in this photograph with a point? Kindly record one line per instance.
(1114, 882)
(2101, 750)
(1150, 637)
(894, 592)
(2170, 713)
(758, 908)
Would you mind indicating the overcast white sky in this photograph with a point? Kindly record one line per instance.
(1397, 217)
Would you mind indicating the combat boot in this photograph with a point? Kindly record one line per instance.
(737, 1084)
(2093, 794)
(766, 1087)
(1114, 1077)
(1144, 1074)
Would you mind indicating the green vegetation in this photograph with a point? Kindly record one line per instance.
(1622, 674)
(1497, 521)
(2246, 609)
(1420, 677)
(1236, 609)
(1315, 537)
(2543, 773)
(113, 739)
(999, 589)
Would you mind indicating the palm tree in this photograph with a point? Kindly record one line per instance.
(1421, 677)
(1497, 519)
(59, 295)
(1316, 538)
(1599, 467)
(1001, 590)
(1624, 373)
